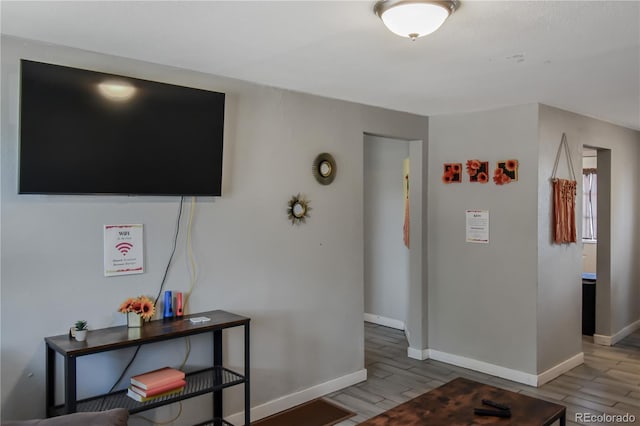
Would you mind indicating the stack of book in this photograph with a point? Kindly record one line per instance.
(156, 384)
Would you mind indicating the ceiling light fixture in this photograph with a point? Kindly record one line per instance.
(414, 18)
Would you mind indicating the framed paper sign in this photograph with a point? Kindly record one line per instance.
(123, 250)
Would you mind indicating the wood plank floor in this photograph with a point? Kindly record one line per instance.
(607, 383)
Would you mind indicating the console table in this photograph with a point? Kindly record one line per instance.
(210, 380)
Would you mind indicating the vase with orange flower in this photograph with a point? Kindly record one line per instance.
(138, 310)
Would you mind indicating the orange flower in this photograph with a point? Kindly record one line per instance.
(147, 309)
(472, 167)
(497, 176)
(447, 177)
(455, 168)
(142, 306)
(511, 165)
(126, 305)
(482, 177)
(506, 178)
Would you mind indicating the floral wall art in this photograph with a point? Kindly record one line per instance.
(505, 172)
(452, 173)
(478, 171)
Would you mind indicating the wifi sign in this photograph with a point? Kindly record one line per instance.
(124, 248)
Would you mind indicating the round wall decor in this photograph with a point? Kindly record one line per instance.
(324, 168)
(298, 209)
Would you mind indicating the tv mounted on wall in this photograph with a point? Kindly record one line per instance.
(87, 132)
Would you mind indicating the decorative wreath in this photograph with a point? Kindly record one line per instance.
(298, 209)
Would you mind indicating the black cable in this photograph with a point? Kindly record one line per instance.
(125, 369)
(164, 278)
(173, 251)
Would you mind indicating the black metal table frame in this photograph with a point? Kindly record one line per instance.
(70, 357)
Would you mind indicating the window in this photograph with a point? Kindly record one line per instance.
(589, 204)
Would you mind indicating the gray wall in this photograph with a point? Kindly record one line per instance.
(482, 297)
(559, 265)
(386, 258)
(618, 285)
(301, 285)
(520, 285)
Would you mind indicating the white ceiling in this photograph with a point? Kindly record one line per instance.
(583, 56)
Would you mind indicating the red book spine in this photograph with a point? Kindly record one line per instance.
(157, 390)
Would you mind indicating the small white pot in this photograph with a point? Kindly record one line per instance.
(81, 335)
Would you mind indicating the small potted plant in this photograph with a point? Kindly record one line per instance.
(81, 330)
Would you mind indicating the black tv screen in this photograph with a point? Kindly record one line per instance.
(87, 132)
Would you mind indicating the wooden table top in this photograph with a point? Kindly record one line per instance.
(121, 336)
(452, 404)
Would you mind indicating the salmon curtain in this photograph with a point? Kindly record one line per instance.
(405, 227)
(564, 200)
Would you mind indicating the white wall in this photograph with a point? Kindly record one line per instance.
(301, 285)
(482, 297)
(618, 286)
(386, 258)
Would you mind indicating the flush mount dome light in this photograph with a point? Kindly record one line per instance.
(414, 18)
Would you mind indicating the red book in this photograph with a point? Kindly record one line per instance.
(157, 378)
(156, 390)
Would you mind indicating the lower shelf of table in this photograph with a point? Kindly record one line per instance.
(198, 383)
(215, 422)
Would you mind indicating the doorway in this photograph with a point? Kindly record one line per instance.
(407, 276)
(596, 232)
(589, 177)
(386, 257)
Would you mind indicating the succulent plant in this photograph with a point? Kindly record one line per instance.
(81, 325)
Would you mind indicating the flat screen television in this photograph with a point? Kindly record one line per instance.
(87, 132)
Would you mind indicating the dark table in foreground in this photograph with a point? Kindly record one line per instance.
(452, 404)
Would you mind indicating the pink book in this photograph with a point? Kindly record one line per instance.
(157, 378)
(156, 390)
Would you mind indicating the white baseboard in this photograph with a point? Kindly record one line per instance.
(485, 367)
(561, 368)
(499, 371)
(419, 354)
(603, 340)
(300, 397)
(387, 322)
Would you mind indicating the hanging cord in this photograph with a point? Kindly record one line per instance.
(164, 278)
(192, 264)
(192, 274)
(173, 251)
(564, 143)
